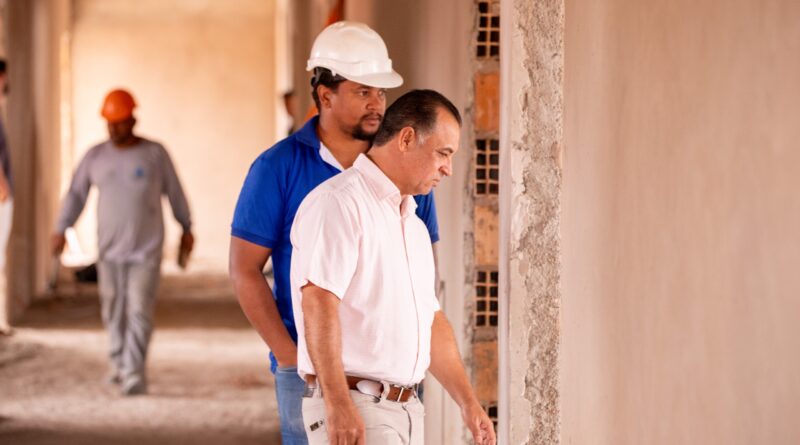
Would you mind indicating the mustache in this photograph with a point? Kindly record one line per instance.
(372, 116)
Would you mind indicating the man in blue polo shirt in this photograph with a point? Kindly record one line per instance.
(351, 70)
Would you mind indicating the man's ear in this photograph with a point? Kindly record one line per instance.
(408, 137)
(324, 94)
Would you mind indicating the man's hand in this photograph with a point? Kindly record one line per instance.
(187, 244)
(324, 340)
(345, 425)
(448, 369)
(479, 424)
(57, 243)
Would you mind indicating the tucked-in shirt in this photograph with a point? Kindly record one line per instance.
(278, 181)
(130, 182)
(358, 238)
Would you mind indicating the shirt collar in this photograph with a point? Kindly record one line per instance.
(382, 186)
(327, 156)
(308, 133)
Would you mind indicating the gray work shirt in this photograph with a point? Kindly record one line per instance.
(130, 182)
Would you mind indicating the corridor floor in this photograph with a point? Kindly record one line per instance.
(209, 380)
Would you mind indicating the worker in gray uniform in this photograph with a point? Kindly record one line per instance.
(131, 174)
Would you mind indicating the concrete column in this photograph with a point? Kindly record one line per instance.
(34, 32)
(302, 36)
(21, 135)
(532, 63)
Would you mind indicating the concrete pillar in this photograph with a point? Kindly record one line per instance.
(21, 135)
(532, 63)
(35, 29)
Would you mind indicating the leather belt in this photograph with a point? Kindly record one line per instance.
(396, 393)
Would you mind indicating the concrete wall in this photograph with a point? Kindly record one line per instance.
(531, 140)
(35, 30)
(681, 316)
(205, 76)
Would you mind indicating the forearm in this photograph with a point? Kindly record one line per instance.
(258, 305)
(446, 365)
(180, 208)
(75, 198)
(174, 191)
(324, 341)
(71, 209)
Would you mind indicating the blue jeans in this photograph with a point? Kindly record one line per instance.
(289, 389)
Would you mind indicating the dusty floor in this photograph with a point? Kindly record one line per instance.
(209, 380)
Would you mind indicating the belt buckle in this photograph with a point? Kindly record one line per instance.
(399, 397)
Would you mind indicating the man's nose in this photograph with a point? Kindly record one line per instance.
(375, 102)
(447, 168)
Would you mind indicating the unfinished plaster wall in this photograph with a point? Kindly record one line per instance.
(680, 287)
(532, 58)
(204, 75)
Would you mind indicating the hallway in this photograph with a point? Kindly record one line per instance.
(208, 371)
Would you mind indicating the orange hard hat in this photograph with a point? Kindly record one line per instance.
(118, 106)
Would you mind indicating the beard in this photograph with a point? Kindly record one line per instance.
(360, 133)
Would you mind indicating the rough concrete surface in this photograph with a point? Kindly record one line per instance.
(209, 380)
(536, 114)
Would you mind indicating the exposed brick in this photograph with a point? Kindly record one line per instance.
(484, 366)
(487, 102)
(486, 236)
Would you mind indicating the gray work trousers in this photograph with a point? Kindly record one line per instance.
(127, 297)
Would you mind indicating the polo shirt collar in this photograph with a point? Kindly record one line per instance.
(307, 135)
(382, 186)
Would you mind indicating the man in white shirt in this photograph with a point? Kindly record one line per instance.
(362, 279)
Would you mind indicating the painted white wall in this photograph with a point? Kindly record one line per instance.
(208, 83)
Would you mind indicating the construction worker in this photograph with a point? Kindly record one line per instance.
(131, 174)
(351, 72)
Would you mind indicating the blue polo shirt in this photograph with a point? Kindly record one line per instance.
(275, 186)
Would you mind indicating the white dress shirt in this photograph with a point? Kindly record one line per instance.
(358, 238)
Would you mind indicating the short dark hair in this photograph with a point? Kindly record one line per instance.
(324, 77)
(416, 109)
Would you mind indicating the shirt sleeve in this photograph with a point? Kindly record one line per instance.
(174, 192)
(259, 213)
(325, 239)
(426, 211)
(75, 199)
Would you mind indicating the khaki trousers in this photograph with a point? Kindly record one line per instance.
(386, 422)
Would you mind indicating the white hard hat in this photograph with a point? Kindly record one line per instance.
(356, 52)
